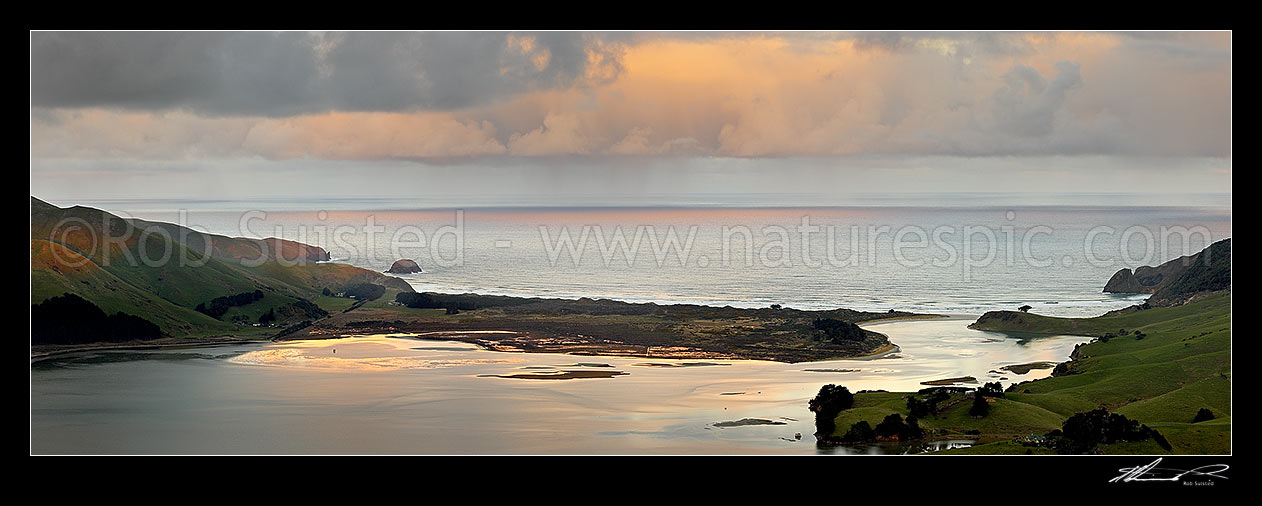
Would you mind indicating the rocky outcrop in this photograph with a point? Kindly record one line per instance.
(404, 266)
(1124, 281)
(1206, 271)
(1002, 320)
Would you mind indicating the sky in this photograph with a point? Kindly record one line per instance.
(621, 117)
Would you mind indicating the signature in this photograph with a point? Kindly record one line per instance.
(1151, 472)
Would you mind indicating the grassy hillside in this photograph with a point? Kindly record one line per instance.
(57, 269)
(1182, 364)
(141, 268)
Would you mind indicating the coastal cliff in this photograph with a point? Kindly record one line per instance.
(1206, 271)
(1183, 280)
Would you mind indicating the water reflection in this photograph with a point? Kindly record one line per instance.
(403, 394)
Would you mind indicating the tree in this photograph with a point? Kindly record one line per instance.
(827, 404)
(1025, 309)
(991, 389)
(859, 432)
(1084, 432)
(980, 407)
(917, 407)
(891, 426)
(1203, 415)
(912, 430)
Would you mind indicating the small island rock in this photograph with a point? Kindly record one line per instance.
(404, 266)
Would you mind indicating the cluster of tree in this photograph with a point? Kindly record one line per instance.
(220, 305)
(859, 432)
(436, 301)
(71, 319)
(1139, 334)
(991, 390)
(827, 404)
(1203, 415)
(365, 291)
(921, 408)
(836, 331)
(301, 308)
(893, 426)
(307, 308)
(1085, 432)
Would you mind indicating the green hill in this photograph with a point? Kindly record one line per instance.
(161, 271)
(1173, 282)
(1157, 364)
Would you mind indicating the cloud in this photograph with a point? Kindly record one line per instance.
(560, 134)
(103, 134)
(291, 73)
(450, 96)
(635, 143)
(1027, 104)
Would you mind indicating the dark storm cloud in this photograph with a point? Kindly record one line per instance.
(1027, 105)
(281, 74)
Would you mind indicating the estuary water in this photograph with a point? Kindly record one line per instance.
(400, 394)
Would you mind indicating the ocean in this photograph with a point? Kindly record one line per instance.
(949, 256)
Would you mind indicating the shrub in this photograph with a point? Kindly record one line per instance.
(1203, 415)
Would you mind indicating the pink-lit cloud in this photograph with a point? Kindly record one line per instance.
(744, 95)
